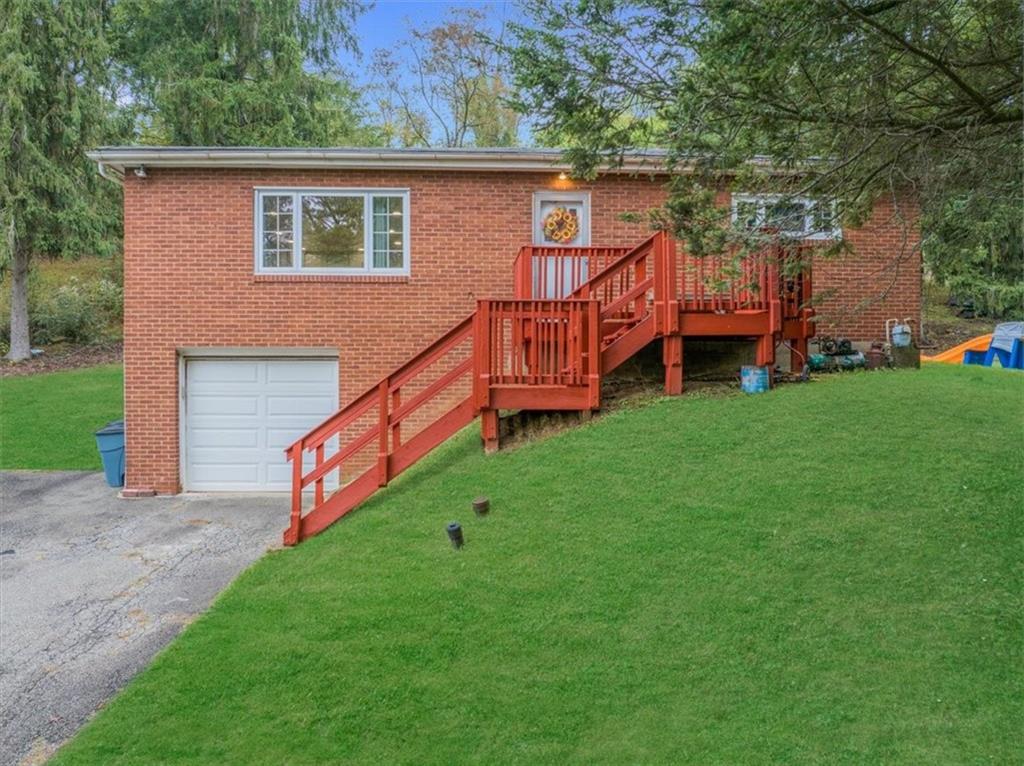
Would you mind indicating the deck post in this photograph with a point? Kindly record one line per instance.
(766, 351)
(593, 336)
(489, 430)
(291, 535)
(672, 354)
(382, 434)
(797, 354)
(318, 497)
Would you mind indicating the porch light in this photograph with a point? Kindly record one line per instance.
(563, 176)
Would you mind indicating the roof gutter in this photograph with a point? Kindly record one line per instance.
(113, 161)
(105, 171)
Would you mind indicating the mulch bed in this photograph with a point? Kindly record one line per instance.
(59, 359)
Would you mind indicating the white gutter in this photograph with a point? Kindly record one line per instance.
(117, 176)
(114, 160)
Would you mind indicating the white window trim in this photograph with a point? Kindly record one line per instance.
(561, 196)
(764, 200)
(296, 193)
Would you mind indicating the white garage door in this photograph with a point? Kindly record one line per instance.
(240, 414)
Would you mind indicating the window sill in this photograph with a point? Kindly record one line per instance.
(356, 278)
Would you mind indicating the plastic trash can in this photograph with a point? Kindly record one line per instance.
(110, 441)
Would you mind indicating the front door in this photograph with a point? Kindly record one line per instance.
(560, 219)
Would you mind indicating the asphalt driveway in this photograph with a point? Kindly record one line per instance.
(92, 586)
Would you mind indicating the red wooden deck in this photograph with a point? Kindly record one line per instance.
(578, 313)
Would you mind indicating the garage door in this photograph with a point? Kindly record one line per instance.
(240, 414)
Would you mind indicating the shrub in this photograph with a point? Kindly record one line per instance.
(990, 297)
(79, 312)
(75, 301)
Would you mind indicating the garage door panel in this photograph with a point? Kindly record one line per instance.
(215, 371)
(224, 436)
(241, 414)
(282, 474)
(224, 404)
(240, 476)
(311, 373)
(300, 405)
(227, 455)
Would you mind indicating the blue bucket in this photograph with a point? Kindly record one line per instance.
(754, 380)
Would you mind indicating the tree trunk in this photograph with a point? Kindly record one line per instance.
(21, 347)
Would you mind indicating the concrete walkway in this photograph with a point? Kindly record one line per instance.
(91, 587)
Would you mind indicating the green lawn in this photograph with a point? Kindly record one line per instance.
(47, 421)
(828, 573)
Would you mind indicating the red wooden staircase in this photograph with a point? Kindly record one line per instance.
(578, 313)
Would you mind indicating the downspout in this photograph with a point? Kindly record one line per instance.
(102, 169)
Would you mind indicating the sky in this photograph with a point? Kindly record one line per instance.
(388, 22)
(385, 24)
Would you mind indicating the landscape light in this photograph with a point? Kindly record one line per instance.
(455, 534)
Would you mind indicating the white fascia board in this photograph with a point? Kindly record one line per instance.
(115, 160)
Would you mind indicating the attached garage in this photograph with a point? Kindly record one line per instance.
(240, 413)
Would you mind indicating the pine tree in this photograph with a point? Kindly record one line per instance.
(53, 106)
(239, 72)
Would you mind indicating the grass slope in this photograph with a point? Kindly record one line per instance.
(47, 421)
(826, 573)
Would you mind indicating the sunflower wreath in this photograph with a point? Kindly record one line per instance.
(561, 225)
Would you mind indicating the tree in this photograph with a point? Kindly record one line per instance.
(446, 86)
(53, 106)
(239, 72)
(860, 97)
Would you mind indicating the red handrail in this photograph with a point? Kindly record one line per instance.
(622, 287)
(386, 397)
(553, 344)
(551, 272)
(540, 352)
(726, 283)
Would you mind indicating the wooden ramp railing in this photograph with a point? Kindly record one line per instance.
(370, 431)
(578, 313)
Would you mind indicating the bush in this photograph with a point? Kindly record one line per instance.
(74, 301)
(990, 297)
(79, 312)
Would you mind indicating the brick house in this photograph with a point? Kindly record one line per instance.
(266, 287)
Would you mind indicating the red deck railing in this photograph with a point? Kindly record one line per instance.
(578, 314)
(550, 273)
(728, 283)
(376, 418)
(527, 345)
(709, 283)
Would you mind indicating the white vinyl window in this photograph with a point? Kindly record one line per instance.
(332, 231)
(798, 217)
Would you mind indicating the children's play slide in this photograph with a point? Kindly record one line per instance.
(955, 355)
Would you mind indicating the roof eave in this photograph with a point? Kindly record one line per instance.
(115, 161)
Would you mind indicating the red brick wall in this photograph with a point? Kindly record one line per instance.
(879, 279)
(189, 279)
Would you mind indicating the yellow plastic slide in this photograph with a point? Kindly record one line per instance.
(955, 355)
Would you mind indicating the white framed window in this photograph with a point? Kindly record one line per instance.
(798, 217)
(332, 231)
